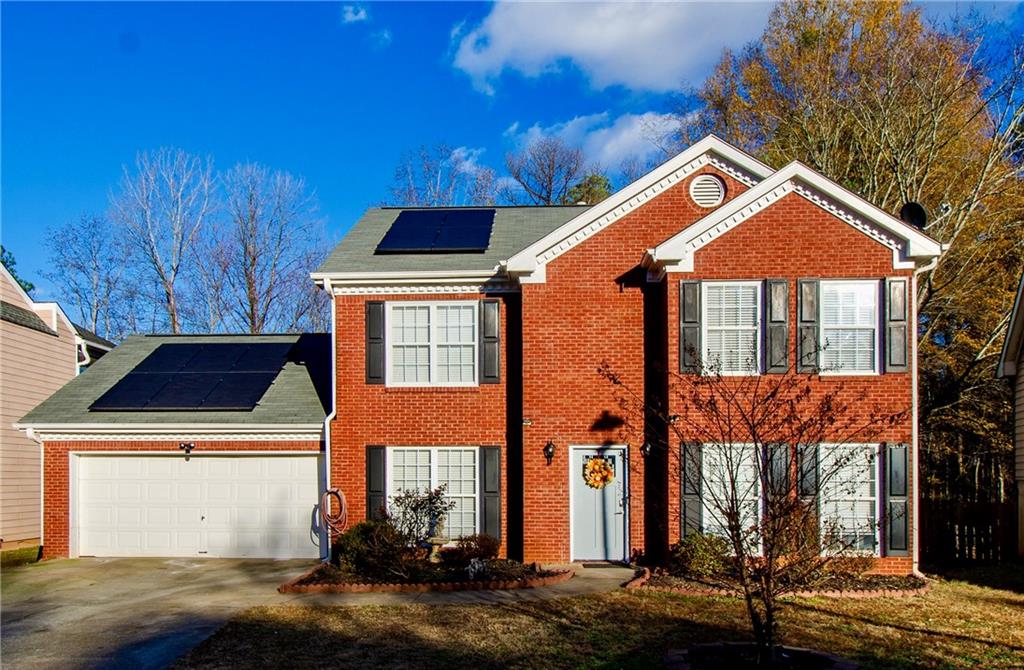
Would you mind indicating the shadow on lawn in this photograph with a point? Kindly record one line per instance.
(1006, 576)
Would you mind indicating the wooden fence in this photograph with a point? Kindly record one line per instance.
(953, 531)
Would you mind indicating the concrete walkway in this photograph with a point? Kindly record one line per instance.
(145, 613)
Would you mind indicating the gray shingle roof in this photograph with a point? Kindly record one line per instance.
(515, 228)
(23, 317)
(299, 395)
(92, 338)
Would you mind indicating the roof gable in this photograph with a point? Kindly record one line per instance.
(1014, 343)
(909, 246)
(529, 264)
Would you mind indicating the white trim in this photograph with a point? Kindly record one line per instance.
(879, 474)
(388, 479)
(624, 448)
(140, 436)
(1014, 341)
(145, 428)
(709, 151)
(906, 242)
(880, 285)
(432, 342)
(758, 327)
(424, 289)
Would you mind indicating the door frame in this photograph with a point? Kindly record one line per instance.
(624, 450)
(74, 499)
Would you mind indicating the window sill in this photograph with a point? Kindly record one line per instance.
(431, 389)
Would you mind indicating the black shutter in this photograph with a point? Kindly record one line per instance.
(896, 508)
(691, 520)
(896, 325)
(689, 326)
(490, 342)
(778, 470)
(807, 465)
(374, 342)
(490, 491)
(376, 491)
(807, 325)
(776, 327)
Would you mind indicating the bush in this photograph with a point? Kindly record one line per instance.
(376, 550)
(480, 546)
(417, 514)
(699, 556)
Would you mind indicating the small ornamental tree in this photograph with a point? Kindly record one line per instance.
(418, 515)
(772, 464)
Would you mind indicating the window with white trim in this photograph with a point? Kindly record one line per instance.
(730, 478)
(849, 326)
(848, 502)
(432, 344)
(732, 321)
(425, 468)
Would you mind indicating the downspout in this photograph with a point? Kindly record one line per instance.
(31, 434)
(915, 461)
(326, 550)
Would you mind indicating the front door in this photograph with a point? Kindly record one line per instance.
(598, 509)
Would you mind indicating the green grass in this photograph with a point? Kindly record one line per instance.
(959, 624)
(13, 557)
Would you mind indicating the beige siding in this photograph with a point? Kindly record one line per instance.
(32, 366)
(1019, 418)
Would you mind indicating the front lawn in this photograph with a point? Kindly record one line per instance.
(959, 624)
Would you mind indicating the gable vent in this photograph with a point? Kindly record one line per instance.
(707, 190)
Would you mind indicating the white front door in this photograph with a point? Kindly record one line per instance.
(598, 509)
(224, 506)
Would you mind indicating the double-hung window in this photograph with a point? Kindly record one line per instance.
(848, 497)
(425, 468)
(730, 485)
(849, 327)
(732, 320)
(432, 344)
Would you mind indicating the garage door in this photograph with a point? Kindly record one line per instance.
(225, 506)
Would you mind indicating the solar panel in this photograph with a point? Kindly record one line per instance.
(426, 231)
(168, 358)
(239, 391)
(219, 357)
(185, 390)
(133, 391)
(263, 357)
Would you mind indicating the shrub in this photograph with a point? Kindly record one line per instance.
(699, 556)
(377, 550)
(417, 514)
(480, 546)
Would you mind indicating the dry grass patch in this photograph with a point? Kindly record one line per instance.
(956, 625)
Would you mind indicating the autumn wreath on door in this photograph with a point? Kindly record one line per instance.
(598, 472)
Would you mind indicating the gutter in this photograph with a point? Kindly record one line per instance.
(325, 534)
(914, 432)
(31, 434)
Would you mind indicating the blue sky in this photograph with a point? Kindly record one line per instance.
(334, 92)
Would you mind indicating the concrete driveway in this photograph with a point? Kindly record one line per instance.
(126, 612)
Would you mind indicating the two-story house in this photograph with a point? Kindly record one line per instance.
(465, 350)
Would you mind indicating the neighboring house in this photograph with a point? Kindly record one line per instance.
(1011, 366)
(40, 351)
(466, 343)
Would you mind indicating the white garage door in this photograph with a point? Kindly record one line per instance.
(226, 506)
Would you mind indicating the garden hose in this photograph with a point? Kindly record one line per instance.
(335, 523)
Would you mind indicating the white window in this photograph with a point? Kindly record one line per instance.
(425, 468)
(848, 497)
(849, 327)
(732, 318)
(432, 344)
(730, 483)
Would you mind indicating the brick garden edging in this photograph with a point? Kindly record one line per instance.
(293, 586)
(640, 582)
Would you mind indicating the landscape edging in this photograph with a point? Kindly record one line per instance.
(293, 586)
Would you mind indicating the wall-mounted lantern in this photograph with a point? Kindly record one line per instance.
(187, 447)
(645, 449)
(549, 451)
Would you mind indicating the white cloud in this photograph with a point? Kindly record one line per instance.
(606, 141)
(381, 39)
(650, 47)
(354, 14)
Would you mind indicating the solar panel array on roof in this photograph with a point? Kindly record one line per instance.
(198, 377)
(433, 231)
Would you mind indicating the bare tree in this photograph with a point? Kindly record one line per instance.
(769, 463)
(161, 208)
(89, 261)
(261, 259)
(440, 176)
(545, 171)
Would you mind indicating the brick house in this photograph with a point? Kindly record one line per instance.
(466, 343)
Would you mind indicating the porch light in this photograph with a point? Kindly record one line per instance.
(187, 447)
(645, 449)
(549, 451)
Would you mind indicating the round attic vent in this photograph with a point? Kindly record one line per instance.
(707, 190)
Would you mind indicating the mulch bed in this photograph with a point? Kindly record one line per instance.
(502, 575)
(830, 586)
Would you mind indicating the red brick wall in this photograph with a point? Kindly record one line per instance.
(402, 416)
(795, 239)
(590, 310)
(56, 475)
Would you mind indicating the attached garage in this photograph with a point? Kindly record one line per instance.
(228, 506)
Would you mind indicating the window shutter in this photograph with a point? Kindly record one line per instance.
(896, 325)
(778, 470)
(896, 508)
(375, 342)
(490, 491)
(807, 325)
(691, 520)
(490, 342)
(807, 459)
(689, 326)
(776, 328)
(376, 487)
